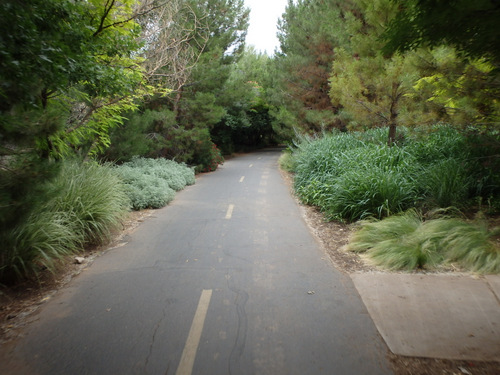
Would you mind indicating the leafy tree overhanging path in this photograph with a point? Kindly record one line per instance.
(225, 280)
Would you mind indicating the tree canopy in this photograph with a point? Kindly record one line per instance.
(469, 26)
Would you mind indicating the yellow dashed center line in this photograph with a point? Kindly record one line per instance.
(229, 212)
(242, 178)
(193, 340)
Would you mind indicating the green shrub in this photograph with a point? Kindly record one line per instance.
(208, 157)
(145, 190)
(142, 133)
(408, 242)
(177, 175)
(152, 183)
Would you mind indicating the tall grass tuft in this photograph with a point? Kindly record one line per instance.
(397, 242)
(85, 203)
(93, 196)
(473, 246)
(446, 182)
(408, 242)
(39, 242)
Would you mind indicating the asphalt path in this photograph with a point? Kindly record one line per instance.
(227, 279)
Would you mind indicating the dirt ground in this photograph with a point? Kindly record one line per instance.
(19, 304)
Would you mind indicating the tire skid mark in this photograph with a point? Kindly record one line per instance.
(241, 335)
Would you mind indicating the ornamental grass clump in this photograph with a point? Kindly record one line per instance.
(81, 206)
(473, 246)
(94, 197)
(37, 243)
(408, 242)
(397, 243)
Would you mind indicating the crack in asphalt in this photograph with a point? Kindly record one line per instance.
(157, 327)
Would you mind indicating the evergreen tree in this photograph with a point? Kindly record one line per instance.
(469, 26)
(65, 67)
(308, 33)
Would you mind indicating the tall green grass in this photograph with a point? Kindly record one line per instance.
(85, 202)
(408, 242)
(446, 182)
(82, 206)
(93, 196)
(351, 176)
(356, 176)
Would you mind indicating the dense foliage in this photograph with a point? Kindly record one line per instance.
(152, 183)
(336, 71)
(110, 81)
(469, 26)
(82, 206)
(352, 176)
(138, 79)
(356, 176)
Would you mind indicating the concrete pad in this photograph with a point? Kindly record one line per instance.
(434, 316)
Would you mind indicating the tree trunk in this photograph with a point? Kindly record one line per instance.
(394, 114)
(392, 133)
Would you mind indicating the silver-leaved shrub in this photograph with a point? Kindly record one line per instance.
(152, 183)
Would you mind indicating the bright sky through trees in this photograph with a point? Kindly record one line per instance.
(263, 23)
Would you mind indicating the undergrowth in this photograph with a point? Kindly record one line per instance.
(85, 202)
(352, 176)
(356, 176)
(82, 206)
(152, 183)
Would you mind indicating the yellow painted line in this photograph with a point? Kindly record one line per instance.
(193, 340)
(250, 166)
(242, 178)
(229, 212)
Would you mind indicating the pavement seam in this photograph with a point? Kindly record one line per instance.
(492, 291)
